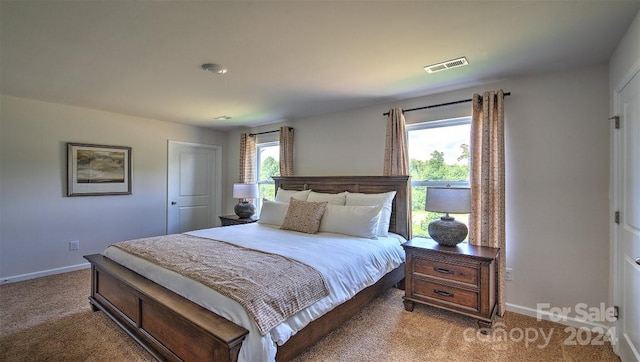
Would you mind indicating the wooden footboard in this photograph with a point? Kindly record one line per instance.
(173, 328)
(167, 325)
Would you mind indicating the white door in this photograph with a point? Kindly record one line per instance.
(193, 186)
(627, 260)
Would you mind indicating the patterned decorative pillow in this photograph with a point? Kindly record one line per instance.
(304, 216)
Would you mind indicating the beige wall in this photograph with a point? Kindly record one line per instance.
(38, 220)
(557, 149)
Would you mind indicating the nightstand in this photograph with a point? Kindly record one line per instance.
(228, 220)
(460, 279)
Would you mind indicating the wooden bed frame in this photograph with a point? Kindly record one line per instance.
(173, 328)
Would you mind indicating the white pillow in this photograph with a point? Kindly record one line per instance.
(273, 212)
(385, 199)
(335, 199)
(359, 221)
(286, 195)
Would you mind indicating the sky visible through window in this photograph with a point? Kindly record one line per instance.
(270, 151)
(444, 139)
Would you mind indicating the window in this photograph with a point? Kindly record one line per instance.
(268, 165)
(438, 156)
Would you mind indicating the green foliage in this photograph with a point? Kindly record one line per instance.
(420, 220)
(269, 168)
(436, 169)
(267, 191)
(466, 155)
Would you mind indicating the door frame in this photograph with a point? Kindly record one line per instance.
(615, 204)
(216, 204)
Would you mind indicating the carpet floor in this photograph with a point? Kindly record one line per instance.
(49, 319)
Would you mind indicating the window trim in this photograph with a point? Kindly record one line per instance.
(449, 122)
(259, 146)
(438, 183)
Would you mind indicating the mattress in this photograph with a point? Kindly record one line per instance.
(348, 264)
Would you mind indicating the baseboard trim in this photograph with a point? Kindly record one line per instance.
(44, 273)
(544, 315)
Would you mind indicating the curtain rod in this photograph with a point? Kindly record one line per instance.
(440, 105)
(265, 132)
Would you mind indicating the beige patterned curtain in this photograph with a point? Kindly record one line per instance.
(247, 158)
(286, 151)
(396, 153)
(396, 157)
(487, 219)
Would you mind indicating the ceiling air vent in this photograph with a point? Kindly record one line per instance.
(453, 63)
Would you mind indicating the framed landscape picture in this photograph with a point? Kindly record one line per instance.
(94, 170)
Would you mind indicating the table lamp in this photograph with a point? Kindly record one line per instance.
(244, 209)
(447, 231)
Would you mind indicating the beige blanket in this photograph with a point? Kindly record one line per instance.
(270, 287)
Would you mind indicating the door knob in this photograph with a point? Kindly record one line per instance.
(173, 202)
(638, 261)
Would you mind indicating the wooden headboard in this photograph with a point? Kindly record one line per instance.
(400, 223)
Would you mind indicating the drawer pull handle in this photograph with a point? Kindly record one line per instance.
(443, 293)
(443, 271)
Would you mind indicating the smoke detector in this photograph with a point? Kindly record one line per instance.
(453, 63)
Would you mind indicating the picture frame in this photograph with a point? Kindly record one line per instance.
(97, 170)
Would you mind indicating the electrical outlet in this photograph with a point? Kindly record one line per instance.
(509, 274)
(74, 245)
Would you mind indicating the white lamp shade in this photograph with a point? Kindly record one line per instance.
(245, 191)
(454, 200)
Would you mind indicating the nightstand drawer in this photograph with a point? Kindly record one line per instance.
(457, 296)
(460, 273)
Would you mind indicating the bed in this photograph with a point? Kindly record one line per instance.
(173, 327)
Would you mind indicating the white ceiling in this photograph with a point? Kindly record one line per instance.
(286, 60)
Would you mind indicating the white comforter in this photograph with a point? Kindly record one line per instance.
(348, 264)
